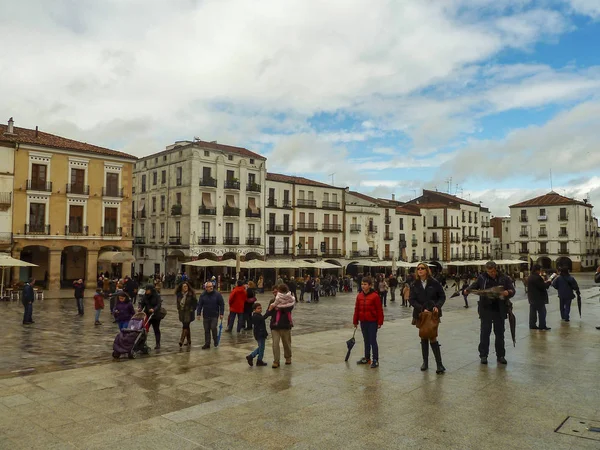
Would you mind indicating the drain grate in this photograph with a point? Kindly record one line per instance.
(579, 427)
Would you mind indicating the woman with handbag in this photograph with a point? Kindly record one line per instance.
(151, 304)
(427, 297)
(186, 307)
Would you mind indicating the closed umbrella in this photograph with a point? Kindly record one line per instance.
(350, 343)
(220, 332)
(579, 304)
(512, 321)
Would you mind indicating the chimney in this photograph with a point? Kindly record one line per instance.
(10, 130)
(393, 197)
(36, 131)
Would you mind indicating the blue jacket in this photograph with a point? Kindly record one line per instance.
(212, 303)
(28, 294)
(565, 285)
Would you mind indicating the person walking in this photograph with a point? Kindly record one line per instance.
(383, 290)
(281, 330)
(211, 307)
(260, 284)
(567, 287)
(186, 307)
(293, 287)
(151, 303)
(369, 312)
(248, 306)
(427, 295)
(237, 300)
(98, 305)
(537, 295)
(260, 334)
(393, 284)
(131, 287)
(79, 288)
(493, 310)
(27, 299)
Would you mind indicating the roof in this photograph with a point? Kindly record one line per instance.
(550, 199)
(442, 197)
(297, 180)
(35, 137)
(241, 151)
(408, 209)
(437, 205)
(364, 197)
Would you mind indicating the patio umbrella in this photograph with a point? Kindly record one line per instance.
(8, 261)
(579, 304)
(512, 321)
(350, 343)
(220, 332)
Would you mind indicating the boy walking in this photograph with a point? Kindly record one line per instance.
(260, 334)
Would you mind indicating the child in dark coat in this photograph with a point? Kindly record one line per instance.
(260, 334)
(123, 309)
(98, 305)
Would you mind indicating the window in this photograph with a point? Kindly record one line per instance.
(37, 217)
(155, 160)
(251, 160)
(38, 176)
(153, 231)
(178, 198)
(414, 224)
(75, 219)
(229, 230)
(163, 177)
(153, 204)
(162, 230)
(435, 221)
(251, 230)
(180, 153)
(141, 252)
(205, 230)
(178, 176)
(230, 157)
(301, 195)
(311, 195)
(77, 181)
(178, 229)
(334, 198)
(286, 197)
(326, 197)
(143, 183)
(112, 184)
(206, 153)
(251, 178)
(164, 157)
(143, 229)
(110, 220)
(154, 178)
(229, 175)
(162, 203)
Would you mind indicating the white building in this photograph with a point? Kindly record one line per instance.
(554, 231)
(197, 199)
(7, 169)
(364, 221)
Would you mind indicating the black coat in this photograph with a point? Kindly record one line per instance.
(484, 281)
(151, 301)
(284, 321)
(259, 326)
(537, 290)
(432, 296)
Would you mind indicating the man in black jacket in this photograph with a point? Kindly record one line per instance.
(79, 288)
(27, 299)
(537, 294)
(131, 287)
(211, 302)
(393, 284)
(493, 310)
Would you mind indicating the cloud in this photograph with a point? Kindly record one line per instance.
(585, 7)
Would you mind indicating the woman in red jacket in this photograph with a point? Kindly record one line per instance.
(369, 312)
(237, 300)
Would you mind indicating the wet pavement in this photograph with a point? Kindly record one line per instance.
(59, 387)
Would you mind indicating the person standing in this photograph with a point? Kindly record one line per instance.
(237, 300)
(98, 305)
(131, 287)
(151, 303)
(383, 289)
(186, 307)
(293, 287)
(427, 295)
(537, 295)
(79, 288)
(281, 330)
(369, 312)
(248, 308)
(261, 284)
(393, 283)
(27, 299)
(493, 310)
(212, 307)
(566, 286)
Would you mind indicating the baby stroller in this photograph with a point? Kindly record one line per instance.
(132, 340)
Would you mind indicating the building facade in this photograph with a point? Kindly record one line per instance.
(554, 231)
(198, 199)
(72, 203)
(7, 173)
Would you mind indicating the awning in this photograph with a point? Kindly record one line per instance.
(230, 201)
(210, 263)
(116, 257)
(206, 201)
(9, 261)
(252, 204)
(142, 204)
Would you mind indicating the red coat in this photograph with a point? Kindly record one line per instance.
(368, 308)
(98, 301)
(237, 299)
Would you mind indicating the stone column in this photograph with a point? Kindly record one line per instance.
(91, 269)
(16, 271)
(54, 269)
(125, 269)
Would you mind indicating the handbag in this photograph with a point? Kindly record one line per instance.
(161, 313)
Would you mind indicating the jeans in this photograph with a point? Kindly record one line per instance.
(393, 294)
(285, 336)
(260, 350)
(97, 316)
(491, 318)
(231, 320)
(210, 325)
(123, 325)
(28, 312)
(565, 307)
(369, 332)
(535, 310)
(383, 296)
(79, 306)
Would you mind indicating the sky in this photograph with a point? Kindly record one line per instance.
(496, 101)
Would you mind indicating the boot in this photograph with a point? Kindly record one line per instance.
(157, 337)
(189, 337)
(435, 347)
(182, 338)
(425, 351)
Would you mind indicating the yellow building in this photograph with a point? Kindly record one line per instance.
(71, 206)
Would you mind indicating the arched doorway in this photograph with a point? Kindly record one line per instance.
(564, 262)
(252, 255)
(73, 264)
(545, 262)
(38, 255)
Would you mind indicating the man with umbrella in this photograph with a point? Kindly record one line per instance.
(493, 310)
(567, 287)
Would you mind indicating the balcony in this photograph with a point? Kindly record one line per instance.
(485, 224)
(286, 204)
(253, 187)
(563, 234)
(271, 202)
(207, 240)
(37, 229)
(112, 192)
(139, 240)
(253, 241)
(563, 251)
(563, 217)
(251, 213)
(413, 242)
(332, 253)
(82, 189)
(283, 229)
(486, 256)
(76, 231)
(362, 254)
(355, 228)
(175, 240)
(229, 240)
(306, 226)
(486, 240)
(204, 211)
(141, 214)
(330, 205)
(388, 236)
(402, 244)
(524, 234)
(278, 251)
(303, 203)
(231, 184)
(543, 251)
(5, 199)
(176, 210)
(307, 252)
(434, 240)
(523, 219)
(231, 211)
(543, 233)
(111, 231)
(414, 227)
(388, 256)
(332, 227)
(542, 218)
(524, 251)
(39, 185)
(473, 237)
(208, 182)
(415, 259)
(387, 220)
(372, 229)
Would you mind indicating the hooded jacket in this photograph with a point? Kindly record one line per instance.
(286, 300)
(123, 311)
(368, 308)
(150, 301)
(237, 299)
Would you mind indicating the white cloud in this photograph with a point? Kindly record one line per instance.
(586, 7)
